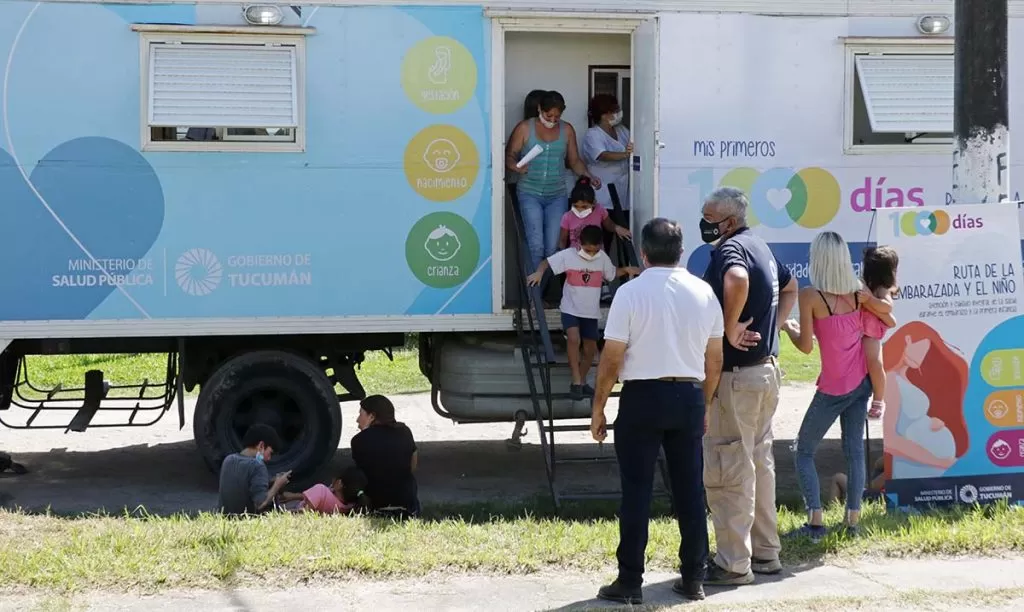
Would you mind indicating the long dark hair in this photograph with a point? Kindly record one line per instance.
(583, 191)
(381, 408)
(353, 487)
(531, 103)
(879, 268)
(550, 100)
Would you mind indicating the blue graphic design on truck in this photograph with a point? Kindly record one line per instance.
(266, 203)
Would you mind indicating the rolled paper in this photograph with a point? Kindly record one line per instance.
(533, 153)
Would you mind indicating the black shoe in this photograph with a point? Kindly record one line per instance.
(617, 593)
(719, 576)
(576, 393)
(690, 589)
(587, 390)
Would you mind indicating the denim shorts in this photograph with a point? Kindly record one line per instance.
(588, 327)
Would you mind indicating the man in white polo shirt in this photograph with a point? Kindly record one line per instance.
(663, 339)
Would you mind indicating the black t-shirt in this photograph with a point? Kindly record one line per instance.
(767, 276)
(384, 454)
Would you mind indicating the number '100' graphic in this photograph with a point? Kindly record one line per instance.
(779, 197)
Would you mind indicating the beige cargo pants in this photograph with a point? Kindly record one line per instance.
(739, 466)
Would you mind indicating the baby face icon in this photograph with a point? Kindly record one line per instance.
(441, 155)
(442, 244)
(997, 409)
(1000, 449)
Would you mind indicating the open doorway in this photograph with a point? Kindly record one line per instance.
(576, 64)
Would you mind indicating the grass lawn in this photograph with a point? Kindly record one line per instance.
(45, 552)
(378, 374)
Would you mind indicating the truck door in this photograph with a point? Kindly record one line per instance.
(645, 124)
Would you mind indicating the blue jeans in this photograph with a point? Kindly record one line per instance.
(542, 216)
(852, 410)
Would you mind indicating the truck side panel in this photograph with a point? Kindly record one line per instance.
(386, 211)
(772, 123)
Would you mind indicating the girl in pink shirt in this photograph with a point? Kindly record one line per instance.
(343, 496)
(583, 213)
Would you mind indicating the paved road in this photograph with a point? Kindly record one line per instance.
(157, 467)
(989, 584)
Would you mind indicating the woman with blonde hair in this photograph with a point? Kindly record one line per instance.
(830, 312)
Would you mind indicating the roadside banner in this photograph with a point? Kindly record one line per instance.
(954, 420)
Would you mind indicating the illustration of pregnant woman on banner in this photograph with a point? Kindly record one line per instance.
(924, 427)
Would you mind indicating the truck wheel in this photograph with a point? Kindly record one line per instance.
(281, 389)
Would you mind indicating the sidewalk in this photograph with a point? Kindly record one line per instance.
(990, 584)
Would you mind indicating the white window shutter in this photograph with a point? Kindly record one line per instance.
(212, 85)
(907, 93)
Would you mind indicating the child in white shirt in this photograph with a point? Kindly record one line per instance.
(585, 269)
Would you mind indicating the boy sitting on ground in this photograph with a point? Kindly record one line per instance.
(243, 476)
(585, 268)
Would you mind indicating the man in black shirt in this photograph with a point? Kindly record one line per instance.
(757, 294)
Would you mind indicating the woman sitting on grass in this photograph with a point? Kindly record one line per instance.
(385, 450)
(345, 495)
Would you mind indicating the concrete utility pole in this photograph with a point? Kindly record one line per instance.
(981, 122)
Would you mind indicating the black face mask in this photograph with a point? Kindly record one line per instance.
(710, 232)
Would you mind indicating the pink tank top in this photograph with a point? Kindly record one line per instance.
(840, 342)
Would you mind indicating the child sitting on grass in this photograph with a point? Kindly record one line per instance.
(343, 496)
(585, 268)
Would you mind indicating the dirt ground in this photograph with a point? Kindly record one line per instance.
(158, 467)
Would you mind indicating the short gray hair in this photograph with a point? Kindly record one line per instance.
(731, 201)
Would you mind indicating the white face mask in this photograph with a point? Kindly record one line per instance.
(582, 214)
(617, 118)
(546, 123)
(588, 256)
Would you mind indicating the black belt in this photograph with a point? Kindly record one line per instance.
(675, 379)
(759, 362)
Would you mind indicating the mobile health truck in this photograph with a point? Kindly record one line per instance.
(265, 193)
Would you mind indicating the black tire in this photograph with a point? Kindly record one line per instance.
(281, 389)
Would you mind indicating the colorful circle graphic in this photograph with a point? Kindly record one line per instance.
(442, 250)
(924, 223)
(780, 197)
(439, 75)
(441, 163)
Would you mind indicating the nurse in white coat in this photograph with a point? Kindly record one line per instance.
(606, 151)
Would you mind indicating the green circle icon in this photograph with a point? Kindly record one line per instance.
(442, 250)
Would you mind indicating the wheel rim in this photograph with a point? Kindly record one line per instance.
(278, 403)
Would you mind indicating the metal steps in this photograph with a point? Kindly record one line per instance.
(539, 357)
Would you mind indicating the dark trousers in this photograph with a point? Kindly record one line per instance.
(656, 415)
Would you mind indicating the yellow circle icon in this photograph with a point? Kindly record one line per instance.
(439, 74)
(441, 163)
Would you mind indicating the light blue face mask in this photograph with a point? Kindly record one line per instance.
(259, 456)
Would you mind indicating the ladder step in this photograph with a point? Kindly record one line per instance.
(599, 495)
(587, 460)
(566, 428)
